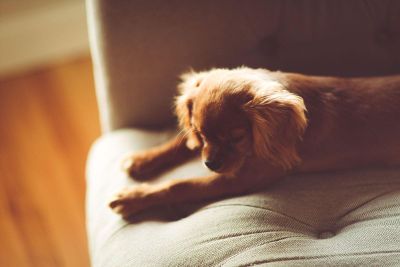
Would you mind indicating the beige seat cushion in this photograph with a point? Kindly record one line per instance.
(347, 218)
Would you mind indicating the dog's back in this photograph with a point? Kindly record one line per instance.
(352, 121)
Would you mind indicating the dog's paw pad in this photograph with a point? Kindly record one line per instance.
(130, 200)
(137, 166)
(124, 206)
(127, 163)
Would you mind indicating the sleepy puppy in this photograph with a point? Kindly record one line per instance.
(254, 126)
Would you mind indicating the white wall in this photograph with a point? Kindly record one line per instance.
(37, 32)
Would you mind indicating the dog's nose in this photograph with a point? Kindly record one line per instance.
(213, 164)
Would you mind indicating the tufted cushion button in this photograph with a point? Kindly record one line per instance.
(325, 234)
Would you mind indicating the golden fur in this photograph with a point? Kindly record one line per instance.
(253, 126)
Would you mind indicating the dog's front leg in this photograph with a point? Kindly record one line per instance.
(149, 163)
(138, 198)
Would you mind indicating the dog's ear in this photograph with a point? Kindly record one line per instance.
(183, 109)
(184, 105)
(190, 81)
(278, 124)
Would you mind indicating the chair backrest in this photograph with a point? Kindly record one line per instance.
(139, 48)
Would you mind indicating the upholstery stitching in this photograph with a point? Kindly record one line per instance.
(363, 204)
(239, 235)
(231, 257)
(258, 207)
(320, 257)
(126, 224)
(354, 223)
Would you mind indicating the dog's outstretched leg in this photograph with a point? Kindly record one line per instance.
(149, 163)
(143, 196)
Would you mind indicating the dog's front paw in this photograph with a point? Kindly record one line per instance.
(130, 201)
(137, 166)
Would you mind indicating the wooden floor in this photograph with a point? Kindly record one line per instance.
(48, 119)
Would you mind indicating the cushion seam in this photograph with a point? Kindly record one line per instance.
(319, 257)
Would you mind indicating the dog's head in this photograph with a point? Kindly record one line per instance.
(235, 114)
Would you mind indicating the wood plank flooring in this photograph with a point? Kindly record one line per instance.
(48, 120)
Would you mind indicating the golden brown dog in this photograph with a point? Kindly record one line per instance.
(253, 126)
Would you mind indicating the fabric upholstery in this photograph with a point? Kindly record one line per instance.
(140, 47)
(329, 219)
(347, 218)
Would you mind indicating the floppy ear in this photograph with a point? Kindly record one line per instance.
(190, 81)
(183, 107)
(278, 124)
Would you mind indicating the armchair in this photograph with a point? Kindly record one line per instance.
(348, 218)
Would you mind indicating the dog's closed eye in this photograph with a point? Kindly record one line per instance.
(239, 132)
(237, 135)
